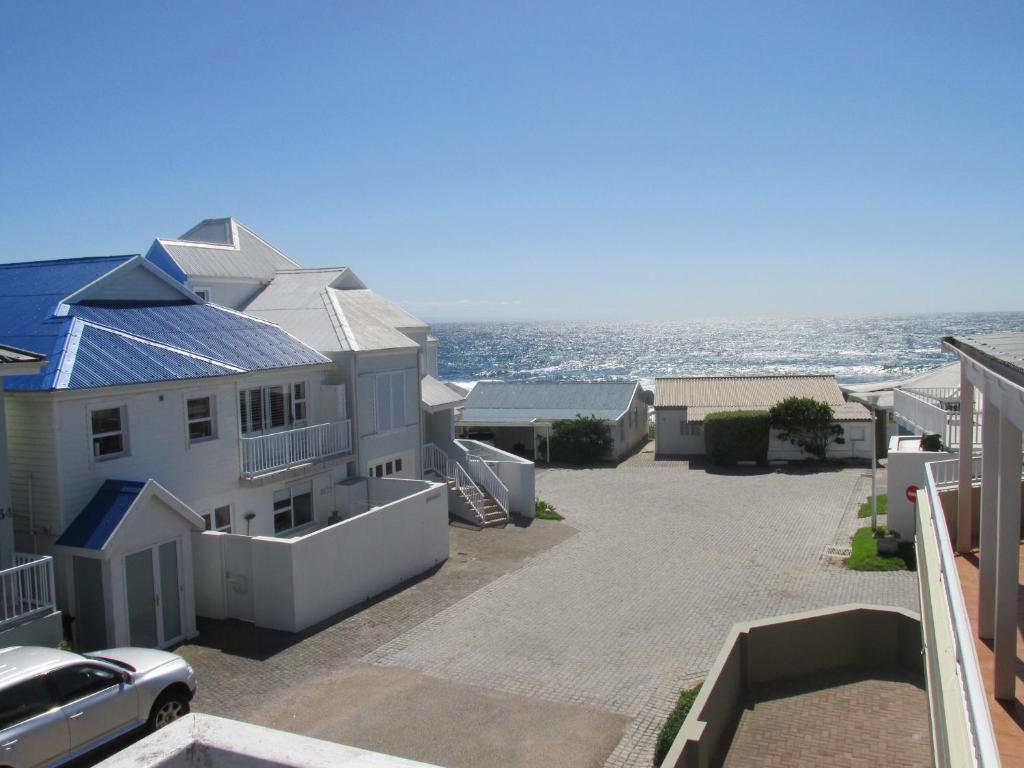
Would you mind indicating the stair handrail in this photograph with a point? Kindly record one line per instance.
(438, 461)
(470, 491)
(482, 473)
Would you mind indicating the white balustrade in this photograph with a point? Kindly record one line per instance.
(26, 589)
(280, 450)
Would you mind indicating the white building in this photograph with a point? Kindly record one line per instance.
(520, 415)
(384, 358)
(182, 458)
(681, 404)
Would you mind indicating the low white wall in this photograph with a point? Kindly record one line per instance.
(208, 573)
(302, 581)
(906, 470)
(47, 630)
(520, 479)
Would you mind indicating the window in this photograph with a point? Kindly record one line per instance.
(398, 465)
(689, 430)
(293, 507)
(390, 401)
(199, 412)
(73, 683)
(268, 408)
(218, 520)
(855, 432)
(299, 401)
(202, 293)
(387, 467)
(108, 438)
(25, 700)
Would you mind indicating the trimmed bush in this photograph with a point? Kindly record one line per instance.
(807, 423)
(675, 720)
(731, 436)
(583, 440)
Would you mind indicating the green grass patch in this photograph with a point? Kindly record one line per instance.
(883, 506)
(546, 511)
(674, 722)
(865, 555)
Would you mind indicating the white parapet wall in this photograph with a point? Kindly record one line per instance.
(906, 477)
(204, 741)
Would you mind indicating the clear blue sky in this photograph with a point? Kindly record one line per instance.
(549, 159)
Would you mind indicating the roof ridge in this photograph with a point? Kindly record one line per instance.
(71, 260)
(756, 376)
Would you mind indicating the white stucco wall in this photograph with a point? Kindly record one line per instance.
(906, 470)
(300, 582)
(374, 445)
(668, 439)
(627, 437)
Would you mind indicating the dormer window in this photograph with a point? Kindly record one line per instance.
(202, 293)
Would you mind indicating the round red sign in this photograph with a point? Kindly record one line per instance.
(912, 493)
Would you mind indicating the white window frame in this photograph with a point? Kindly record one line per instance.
(395, 406)
(210, 519)
(212, 418)
(288, 387)
(399, 463)
(291, 507)
(122, 407)
(303, 401)
(202, 293)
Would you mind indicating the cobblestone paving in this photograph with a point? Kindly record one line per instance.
(822, 720)
(634, 608)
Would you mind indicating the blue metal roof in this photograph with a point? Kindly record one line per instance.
(98, 344)
(93, 526)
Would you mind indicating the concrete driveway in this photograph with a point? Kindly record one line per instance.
(559, 644)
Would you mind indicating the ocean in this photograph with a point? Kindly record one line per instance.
(855, 349)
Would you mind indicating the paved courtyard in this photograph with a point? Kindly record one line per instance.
(559, 643)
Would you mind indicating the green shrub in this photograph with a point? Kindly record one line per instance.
(673, 723)
(865, 555)
(931, 443)
(583, 440)
(731, 436)
(808, 424)
(547, 511)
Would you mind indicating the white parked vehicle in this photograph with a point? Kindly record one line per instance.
(56, 706)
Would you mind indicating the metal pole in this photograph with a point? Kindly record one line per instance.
(874, 470)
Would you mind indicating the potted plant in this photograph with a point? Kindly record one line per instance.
(888, 541)
(931, 443)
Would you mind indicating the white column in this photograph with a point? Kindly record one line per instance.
(991, 419)
(965, 506)
(1007, 560)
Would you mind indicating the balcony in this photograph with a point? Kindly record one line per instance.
(970, 725)
(26, 592)
(933, 411)
(279, 451)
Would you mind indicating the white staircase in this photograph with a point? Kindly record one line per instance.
(476, 486)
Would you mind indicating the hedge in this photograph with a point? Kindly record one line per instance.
(731, 436)
(583, 440)
(675, 720)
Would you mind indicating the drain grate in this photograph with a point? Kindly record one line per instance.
(836, 553)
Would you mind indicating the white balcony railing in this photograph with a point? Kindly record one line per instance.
(26, 589)
(934, 411)
(961, 725)
(292, 447)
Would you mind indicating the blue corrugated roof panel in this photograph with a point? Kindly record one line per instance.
(189, 340)
(92, 527)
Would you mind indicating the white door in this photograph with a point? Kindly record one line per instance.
(238, 594)
(154, 594)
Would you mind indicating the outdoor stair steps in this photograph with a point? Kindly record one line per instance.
(493, 514)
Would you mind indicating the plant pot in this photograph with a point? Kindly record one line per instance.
(888, 545)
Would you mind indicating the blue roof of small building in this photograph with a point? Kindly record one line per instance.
(93, 526)
(107, 343)
(525, 401)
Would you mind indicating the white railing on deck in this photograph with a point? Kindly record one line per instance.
(946, 474)
(934, 411)
(26, 589)
(973, 704)
(280, 450)
(482, 473)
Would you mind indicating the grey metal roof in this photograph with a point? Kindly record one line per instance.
(1001, 352)
(306, 303)
(524, 402)
(436, 395)
(701, 395)
(224, 248)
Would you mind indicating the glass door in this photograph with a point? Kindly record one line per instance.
(153, 587)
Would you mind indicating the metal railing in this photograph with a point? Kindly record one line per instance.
(437, 461)
(946, 474)
(483, 475)
(949, 640)
(26, 589)
(280, 450)
(932, 412)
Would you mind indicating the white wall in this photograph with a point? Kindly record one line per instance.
(520, 479)
(234, 294)
(300, 582)
(374, 445)
(906, 469)
(625, 437)
(6, 511)
(668, 439)
(32, 451)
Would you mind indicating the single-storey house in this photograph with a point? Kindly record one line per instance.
(519, 416)
(681, 405)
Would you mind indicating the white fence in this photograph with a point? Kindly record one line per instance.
(483, 475)
(26, 589)
(961, 724)
(280, 450)
(934, 411)
(437, 461)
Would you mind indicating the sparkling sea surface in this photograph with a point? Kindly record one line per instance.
(854, 349)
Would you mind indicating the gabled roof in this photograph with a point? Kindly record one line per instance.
(436, 395)
(522, 402)
(701, 395)
(84, 315)
(96, 525)
(315, 306)
(222, 248)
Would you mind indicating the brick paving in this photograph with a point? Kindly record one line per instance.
(845, 718)
(617, 609)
